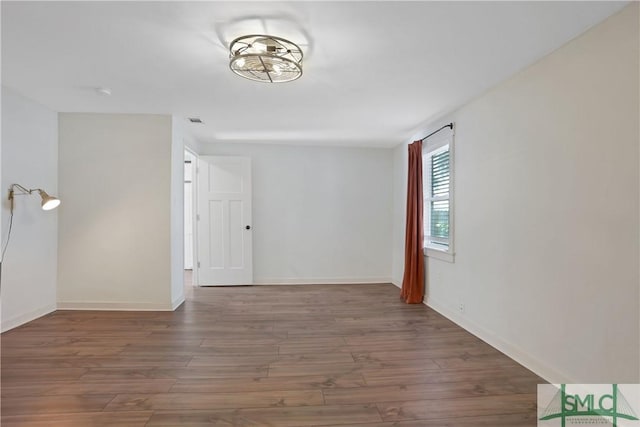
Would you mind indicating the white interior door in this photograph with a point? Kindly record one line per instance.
(224, 221)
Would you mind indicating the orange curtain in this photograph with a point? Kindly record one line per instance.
(413, 281)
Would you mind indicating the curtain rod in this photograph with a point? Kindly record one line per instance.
(450, 125)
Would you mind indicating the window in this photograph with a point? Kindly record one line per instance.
(437, 164)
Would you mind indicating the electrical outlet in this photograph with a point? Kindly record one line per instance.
(461, 307)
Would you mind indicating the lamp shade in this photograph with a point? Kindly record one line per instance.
(48, 202)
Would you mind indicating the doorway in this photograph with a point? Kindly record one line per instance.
(190, 162)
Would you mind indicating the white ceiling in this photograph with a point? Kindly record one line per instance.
(374, 72)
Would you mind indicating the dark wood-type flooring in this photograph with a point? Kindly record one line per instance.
(317, 355)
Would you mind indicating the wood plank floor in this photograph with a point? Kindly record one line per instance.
(332, 355)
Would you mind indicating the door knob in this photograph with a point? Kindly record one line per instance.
(248, 227)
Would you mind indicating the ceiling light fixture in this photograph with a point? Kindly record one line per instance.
(266, 59)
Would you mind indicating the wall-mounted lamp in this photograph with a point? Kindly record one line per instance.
(48, 202)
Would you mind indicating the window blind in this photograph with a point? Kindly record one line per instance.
(437, 201)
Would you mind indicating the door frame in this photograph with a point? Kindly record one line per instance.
(194, 215)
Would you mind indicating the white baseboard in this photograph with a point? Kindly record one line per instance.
(322, 281)
(513, 351)
(177, 302)
(26, 317)
(114, 306)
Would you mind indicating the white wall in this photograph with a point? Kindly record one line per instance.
(547, 212)
(116, 223)
(177, 212)
(320, 214)
(399, 212)
(29, 158)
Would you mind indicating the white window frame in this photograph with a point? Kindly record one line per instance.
(434, 145)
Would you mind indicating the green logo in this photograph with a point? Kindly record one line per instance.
(589, 408)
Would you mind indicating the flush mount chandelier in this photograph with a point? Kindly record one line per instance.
(266, 59)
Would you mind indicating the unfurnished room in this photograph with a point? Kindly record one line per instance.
(320, 213)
